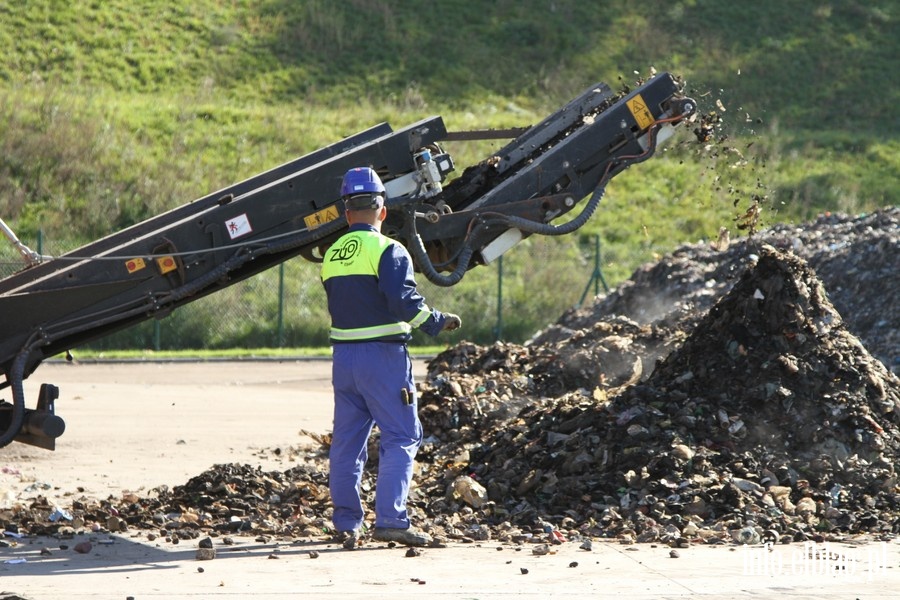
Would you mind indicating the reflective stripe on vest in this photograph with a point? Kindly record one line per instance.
(369, 333)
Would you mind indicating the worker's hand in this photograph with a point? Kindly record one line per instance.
(451, 322)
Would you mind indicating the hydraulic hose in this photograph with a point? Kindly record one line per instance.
(421, 256)
(16, 376)
(527, 225)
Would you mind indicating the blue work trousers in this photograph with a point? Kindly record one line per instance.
(368, 380)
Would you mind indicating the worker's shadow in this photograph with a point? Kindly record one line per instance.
(114, 554)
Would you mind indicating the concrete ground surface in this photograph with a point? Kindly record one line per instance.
(134, 426)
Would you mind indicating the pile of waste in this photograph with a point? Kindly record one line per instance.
(770, 420)
(731, 393)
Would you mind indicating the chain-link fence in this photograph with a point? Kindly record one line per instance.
(285, 307)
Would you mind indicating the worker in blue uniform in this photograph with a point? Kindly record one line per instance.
(374, 306)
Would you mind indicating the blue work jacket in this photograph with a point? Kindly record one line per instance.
(372, 294)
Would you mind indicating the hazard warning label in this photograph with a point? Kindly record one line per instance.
(317, 219)
(238, 226)
(641, 113)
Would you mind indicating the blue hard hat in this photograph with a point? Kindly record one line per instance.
(361, 180)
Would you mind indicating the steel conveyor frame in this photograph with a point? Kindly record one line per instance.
(151, 268)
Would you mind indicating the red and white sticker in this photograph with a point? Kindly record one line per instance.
(238, 226)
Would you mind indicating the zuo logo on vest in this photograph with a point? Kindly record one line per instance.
(347, 250)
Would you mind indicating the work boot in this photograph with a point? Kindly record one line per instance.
(409, 537)
(348, 539)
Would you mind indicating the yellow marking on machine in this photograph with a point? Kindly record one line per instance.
(166, 264)
(135, 264)
(319, 218)
(641, 113)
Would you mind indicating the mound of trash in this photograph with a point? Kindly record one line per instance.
(728, 393)
(770, 419)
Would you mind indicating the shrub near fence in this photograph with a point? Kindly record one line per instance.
(285, 306)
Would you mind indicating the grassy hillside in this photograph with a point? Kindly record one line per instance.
(801, 63)
(113, 111)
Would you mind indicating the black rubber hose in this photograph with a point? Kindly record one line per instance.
(462, 265)
(421, 256)
(16, 376)
(530, 226)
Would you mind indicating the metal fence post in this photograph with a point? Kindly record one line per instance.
(596, 276)
(498, 329)
(280, 305)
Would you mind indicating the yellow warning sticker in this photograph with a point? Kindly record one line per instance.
(641, 113)
(317, 219)
(166, 264)
(135, 264)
